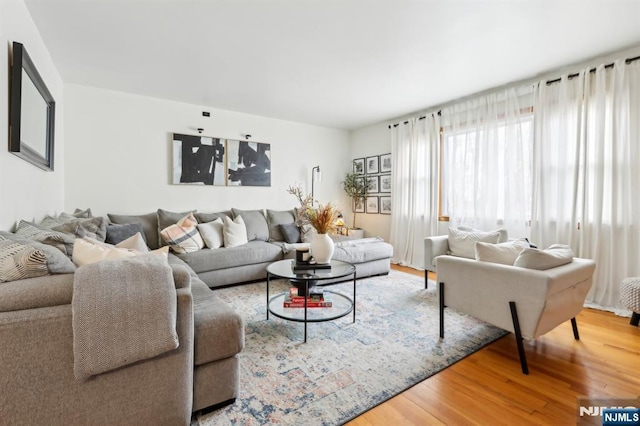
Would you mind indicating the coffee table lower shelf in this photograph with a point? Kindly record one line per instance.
(342, 305)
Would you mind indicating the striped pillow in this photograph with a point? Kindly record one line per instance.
(183, 237)
(19, 261)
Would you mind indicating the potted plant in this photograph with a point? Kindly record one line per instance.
(355, 186)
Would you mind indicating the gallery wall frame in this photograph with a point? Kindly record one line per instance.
(372, 205)
(373, 183)
(372, 165)
(385, 183)
(205, 160)
(385, 163)
(385, 205)
(358, 205)
(358, 166)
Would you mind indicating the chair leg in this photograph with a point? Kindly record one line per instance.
(574, 325)
(516, 329)
(441, 293)
(635, 318)
(426, 279)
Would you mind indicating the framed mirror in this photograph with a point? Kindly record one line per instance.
(32, 112)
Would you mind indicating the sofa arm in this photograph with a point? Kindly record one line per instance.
(544, 299)
(38, 385)
(434, 247)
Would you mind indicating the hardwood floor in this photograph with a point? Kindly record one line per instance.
(488, 387)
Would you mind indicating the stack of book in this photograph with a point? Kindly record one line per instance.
(318, 298)
(305, 267)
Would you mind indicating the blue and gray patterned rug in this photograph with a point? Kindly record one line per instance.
(344, 369)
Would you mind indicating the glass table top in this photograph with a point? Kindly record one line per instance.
(284, 269)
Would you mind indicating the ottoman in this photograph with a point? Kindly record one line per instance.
(630, 297)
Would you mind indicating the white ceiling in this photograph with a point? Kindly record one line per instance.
(335, 63)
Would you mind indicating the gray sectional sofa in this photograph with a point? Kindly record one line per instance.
(37, 383)
(226, 266)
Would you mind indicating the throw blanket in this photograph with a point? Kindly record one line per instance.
(124, 310)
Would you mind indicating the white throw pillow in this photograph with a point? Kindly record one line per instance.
(235, 232)
(555, 255)
(135, 242)
(463, 243)
(86, 251)
(504, 253)
(183, 237)
(212, 233)
(504, 236)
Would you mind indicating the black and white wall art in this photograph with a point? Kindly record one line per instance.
(206, 160)
(385, 183)
(385, 205)
(358, 166)
(198, 160)
(372, 205)
(376, 170)
(385, 163)
(249, 163)
(373, 165)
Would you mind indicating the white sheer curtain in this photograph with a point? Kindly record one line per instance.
(487, 162)
(414, 203)
(587, 161)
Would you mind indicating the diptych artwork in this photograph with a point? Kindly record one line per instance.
(214, 161)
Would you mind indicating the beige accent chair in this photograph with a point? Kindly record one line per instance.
(526, 302)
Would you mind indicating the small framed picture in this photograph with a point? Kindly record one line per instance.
(358, 166)
(373, 184)
(385, 163)
(372, 205)
(385, 205)
(358, 205)
(385, 183)
(373, 165)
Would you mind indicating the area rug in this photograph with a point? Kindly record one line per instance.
(345, 368)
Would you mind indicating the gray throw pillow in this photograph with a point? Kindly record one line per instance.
(275, 219)
(148, 221)
(118, 233)
(59, 240)
(167, 218)
(290, 232)
(77, 214)
(94, 227)
(256, 223)
(210, 217)
(56, 261)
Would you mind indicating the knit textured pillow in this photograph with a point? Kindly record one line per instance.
(183, 237)
(463, 243)
(19, 261)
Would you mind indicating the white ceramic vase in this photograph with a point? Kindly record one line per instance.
(322, 248)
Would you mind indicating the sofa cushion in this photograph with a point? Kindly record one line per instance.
(212, 233)
(166, 219)
(77, 213)
(135, 242)
(504, 253)
(234, 232)
(276, 218)
(33, 293)
(117, 233)
(148, 221)
(463, 243)
(19, 261)
(183, 237)
(555, 255)
(87, 251)
(94, 227)
(59, 240)
(254, 252)
(218, 329)
(504, 235)
(290, 232)
(210, 217)
(257, 228)
(360, 251)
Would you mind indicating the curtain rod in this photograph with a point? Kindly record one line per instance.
(627, 61)
(419, 118)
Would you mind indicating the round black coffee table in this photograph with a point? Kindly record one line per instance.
(342, 304)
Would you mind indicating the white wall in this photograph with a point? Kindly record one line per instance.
(26, 191)
(119, 155)
(365, 142)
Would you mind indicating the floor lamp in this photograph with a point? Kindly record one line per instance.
(316, 174)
